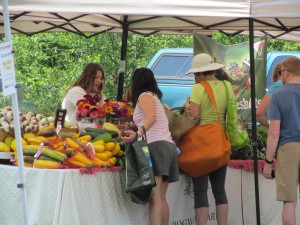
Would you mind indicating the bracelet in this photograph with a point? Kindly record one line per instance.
(268, 162)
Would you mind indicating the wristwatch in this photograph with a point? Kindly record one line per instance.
(268, 162)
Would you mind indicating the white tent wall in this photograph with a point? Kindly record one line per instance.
(276, 19)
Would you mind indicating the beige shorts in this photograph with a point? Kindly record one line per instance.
(287, 171)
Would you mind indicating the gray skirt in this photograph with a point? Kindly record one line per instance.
(165, 160)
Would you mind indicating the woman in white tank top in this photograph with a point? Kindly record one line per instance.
(149, 113)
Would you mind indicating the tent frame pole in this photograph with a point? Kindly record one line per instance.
(253, 113)
(121, 71)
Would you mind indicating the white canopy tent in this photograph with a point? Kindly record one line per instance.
(276, 19)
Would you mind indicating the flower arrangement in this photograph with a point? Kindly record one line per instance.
(88, 107)
(117, 109)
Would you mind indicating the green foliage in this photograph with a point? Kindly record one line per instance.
(48, 63)
(247, 151)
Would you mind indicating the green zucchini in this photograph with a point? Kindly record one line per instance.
(28, 159)
(30, 152)
(46, 158)
(92, 134)
(48, 133)
(53, 155)
(98, 130)
(106, 137)
(66, 134)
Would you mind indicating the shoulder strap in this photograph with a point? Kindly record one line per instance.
(211, 95)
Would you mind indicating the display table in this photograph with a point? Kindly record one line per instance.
(240, 190)
(67, 197)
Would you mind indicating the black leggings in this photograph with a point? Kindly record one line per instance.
(217, 180)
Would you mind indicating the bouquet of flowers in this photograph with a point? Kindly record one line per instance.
(120, 110)
(88, 108)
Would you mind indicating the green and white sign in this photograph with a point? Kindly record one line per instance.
(236, 59)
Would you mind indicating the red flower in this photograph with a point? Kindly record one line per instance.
(84, 112)
(94, 114)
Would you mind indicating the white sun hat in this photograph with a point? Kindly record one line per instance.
(204, 62)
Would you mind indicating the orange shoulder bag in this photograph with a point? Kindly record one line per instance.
(204, 148)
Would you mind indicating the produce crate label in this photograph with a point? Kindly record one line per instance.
(92, 151)
(39, 152)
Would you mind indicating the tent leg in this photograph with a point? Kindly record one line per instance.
(253, 113)
(121, 71)
(16, 117)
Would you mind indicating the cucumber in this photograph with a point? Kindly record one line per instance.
(93, 134)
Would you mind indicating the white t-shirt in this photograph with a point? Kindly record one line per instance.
(69, 103)
(70, 100)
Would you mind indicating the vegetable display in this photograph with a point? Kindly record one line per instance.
(47, 149)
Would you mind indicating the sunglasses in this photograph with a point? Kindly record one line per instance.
(281, 71)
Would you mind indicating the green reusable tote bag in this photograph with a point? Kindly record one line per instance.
(139, 174)
(237, 133)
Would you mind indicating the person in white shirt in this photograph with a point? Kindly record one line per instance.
(89, 82)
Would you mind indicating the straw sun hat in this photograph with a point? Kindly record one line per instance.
(204, 62)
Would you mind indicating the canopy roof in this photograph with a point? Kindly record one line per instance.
(277, 18)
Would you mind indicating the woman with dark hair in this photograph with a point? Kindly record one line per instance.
(264, 104)
(150, 115)
(89, 82)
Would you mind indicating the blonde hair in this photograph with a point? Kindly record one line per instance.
(292, 65)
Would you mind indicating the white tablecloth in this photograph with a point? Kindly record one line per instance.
(241, 197)
(66, 197)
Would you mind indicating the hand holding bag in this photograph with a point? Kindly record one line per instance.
(237, 133)
(139, 174)
(205, 148)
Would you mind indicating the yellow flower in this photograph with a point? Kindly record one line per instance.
(129, 110)
(87, 106)
(108, 109)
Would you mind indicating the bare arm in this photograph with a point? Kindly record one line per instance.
(147, 105)
(272, 143)
(194, 110)
(262, 110)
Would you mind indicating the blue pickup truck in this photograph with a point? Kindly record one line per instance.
(170, 65)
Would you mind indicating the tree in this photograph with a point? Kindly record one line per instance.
(48, 63)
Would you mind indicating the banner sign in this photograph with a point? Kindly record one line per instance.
(7, 68)
(236, 59)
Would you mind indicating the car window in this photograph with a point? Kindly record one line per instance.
(186, 67)
(172, 65)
